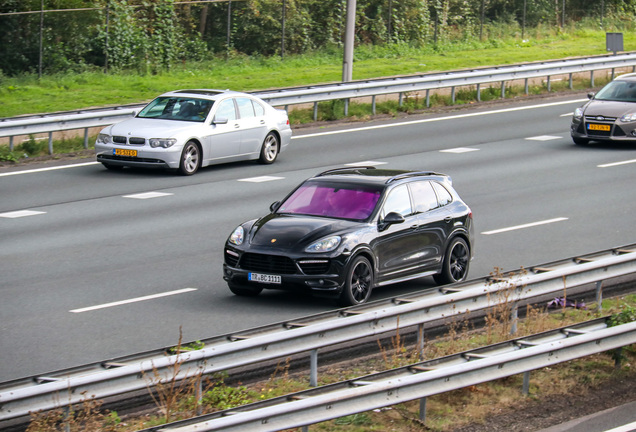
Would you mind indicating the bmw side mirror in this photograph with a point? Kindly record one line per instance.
(220, 120)
(590, 95)
(390, 219)
(275, 206)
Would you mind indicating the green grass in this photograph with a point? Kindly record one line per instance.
(29, 95)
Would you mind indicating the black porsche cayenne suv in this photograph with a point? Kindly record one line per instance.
(348, 230)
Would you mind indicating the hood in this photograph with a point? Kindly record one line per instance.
(609, 108)
(290, 231)
(151, 128)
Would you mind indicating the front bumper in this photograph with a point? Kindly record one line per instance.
(146, 157)
(616, 132)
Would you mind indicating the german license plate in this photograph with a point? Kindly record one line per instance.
(125, 152)
(264, 278)
(598, 127)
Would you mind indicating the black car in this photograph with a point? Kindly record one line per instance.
(348, 230)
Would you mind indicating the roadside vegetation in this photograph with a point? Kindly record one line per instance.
(444, 413)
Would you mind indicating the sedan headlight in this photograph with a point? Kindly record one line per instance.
(629, 117)
(578, 113)
(325, 245)
(104, 139)
(237, 236)
(162, 142)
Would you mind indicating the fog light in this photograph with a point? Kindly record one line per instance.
(633, 132)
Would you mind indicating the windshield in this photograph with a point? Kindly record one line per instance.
(332, 200)
(622, 91)
(177, 108)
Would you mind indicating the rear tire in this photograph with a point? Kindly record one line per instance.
(244, 291)
(270, 149)
(456, 263)
(358, 284)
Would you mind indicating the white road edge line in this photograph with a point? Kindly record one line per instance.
(133, 300)
(616, 164)
(47, 169)
(512, 228)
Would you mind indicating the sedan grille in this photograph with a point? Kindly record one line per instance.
(268, 263)
(133, 141)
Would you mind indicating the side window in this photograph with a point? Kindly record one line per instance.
(226, 110)
(443, 196)
(258, 109)
(424, 198)
(246, 110)
(398, 201)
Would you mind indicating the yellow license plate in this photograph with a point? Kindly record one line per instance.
(125, 152)
(599, 127)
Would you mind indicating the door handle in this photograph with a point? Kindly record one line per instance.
(236, 126)
(448, 219)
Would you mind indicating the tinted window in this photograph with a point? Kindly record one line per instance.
(424, 198)
(175, 108)
(226, 110)
(246, 110)
(398, 201)
(443, 196)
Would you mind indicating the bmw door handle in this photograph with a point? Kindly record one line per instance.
(263, 122)
(236, 126)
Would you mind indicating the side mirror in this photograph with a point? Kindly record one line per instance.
(275, 206)
(220, 120)
(590, 95)
(390, 219)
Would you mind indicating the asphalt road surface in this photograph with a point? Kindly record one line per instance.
(97, 264)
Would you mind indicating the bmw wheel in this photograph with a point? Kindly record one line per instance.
(456, 262)
(359, 282)
(270, 149)
(190, 159)
(244, 291)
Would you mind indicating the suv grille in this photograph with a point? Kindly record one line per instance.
(268, 263)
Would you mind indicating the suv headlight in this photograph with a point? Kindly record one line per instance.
(162, 142)
(104, 139)
(578, 113)
(629, 117)
(325, 245)
(237, 236)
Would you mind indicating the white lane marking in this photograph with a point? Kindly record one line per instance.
(543, 138)
(20, 213)
(408, 123)
(47, 169)
(261, 179)
(529, 225)
(133, 300)
(570, 114)
(147, 195)
(617, 164)
(459, 150)
(365, 163)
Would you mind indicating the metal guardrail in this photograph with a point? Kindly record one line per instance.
(416, 381)
(85, 119)
(116, 377)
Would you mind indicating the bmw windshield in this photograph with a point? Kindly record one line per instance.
(177, 108)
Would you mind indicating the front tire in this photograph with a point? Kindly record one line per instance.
(111, 167)
(580, 141)
(456, 263)
(244, 291)
(358, 283)
(270, 149)
(190, 159)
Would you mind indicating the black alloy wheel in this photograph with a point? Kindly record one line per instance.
(456, 262)
(190, 159)
(359, 282)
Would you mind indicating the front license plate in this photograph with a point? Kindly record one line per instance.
(125, 152)
(264, 278)
(599, 127)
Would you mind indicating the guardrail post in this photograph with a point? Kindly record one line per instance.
(591, 78)
(400, 98)
(571, 87)
(549, 84)
(613, 71)
(453, 95)
(618, 357)
(503, 89)
(11, 143)
(428, 98)
(514, 317)
(315, 111)
(525, 86)
(420, 340)
(373, 104)
(526, 383)
(199, 395)
(50, 143)
(86, 138)
(313, 366)
(599, 295)
(478, 92)
(346, 107)
(423, 409)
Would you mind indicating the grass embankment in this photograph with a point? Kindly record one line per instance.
(29, 95)
(445, 412)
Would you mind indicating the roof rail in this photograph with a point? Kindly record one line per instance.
(414, 174)
(337, 170)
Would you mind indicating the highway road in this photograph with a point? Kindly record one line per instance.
(97, 264)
